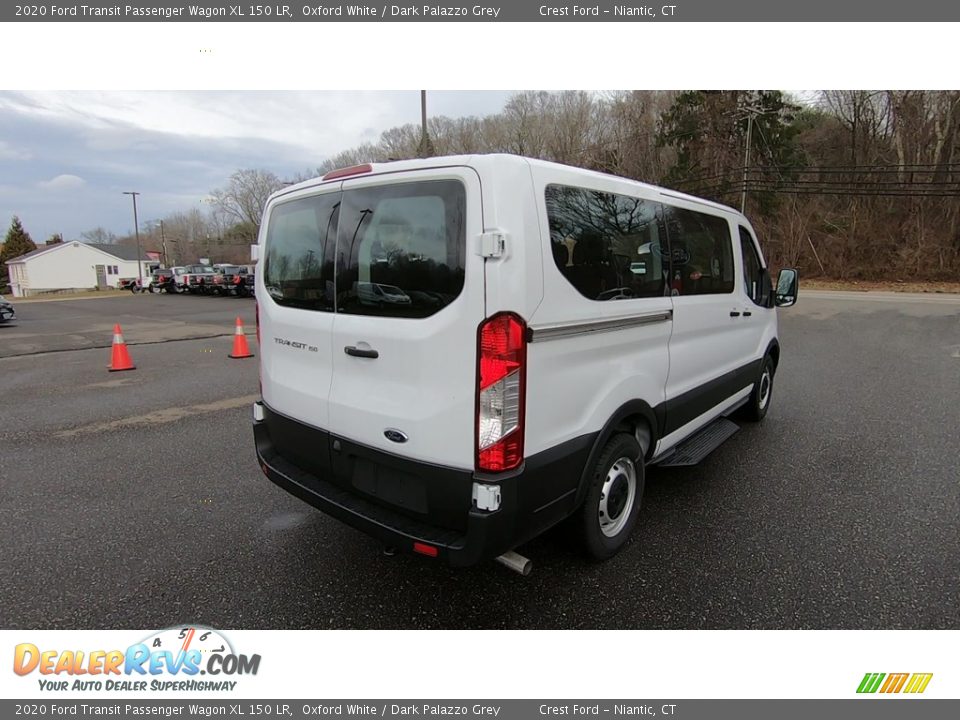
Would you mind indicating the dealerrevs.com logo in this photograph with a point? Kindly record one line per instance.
(171, 659)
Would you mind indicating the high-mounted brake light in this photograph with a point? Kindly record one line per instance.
(347, 171)
(501, 392)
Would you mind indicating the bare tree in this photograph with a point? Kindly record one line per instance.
(245, 196)
(864, 113)
(821, 174)
(99, 236)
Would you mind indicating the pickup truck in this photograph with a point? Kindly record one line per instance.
(132, 284)
(246, 290)
(166, 279)
(197, 278)
(230, 280)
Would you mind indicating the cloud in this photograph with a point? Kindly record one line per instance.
(67, 157)
(63, 182)
(9, 152)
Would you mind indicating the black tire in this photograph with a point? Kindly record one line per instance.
(610, 496)
(760, 397)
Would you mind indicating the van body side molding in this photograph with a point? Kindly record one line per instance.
(555, 332)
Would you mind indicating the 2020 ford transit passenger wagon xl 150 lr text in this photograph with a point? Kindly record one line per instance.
(458, 353)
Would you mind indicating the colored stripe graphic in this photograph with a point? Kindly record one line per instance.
(918, 682)
(870, 682)
(894, 682)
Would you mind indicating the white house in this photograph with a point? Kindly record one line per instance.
(74, 266)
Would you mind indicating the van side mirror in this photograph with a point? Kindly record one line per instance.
(787, 283)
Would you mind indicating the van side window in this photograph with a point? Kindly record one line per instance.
(608, 246)
(701, 251)
(298, 267)
(400, 250)
(753, 275)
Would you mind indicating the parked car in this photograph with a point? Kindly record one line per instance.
(378, 294)
(561, 331)
(7, 312)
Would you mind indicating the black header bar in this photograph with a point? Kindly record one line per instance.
(512, 11)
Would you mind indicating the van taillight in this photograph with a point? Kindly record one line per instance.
(256, 315)
(501, 392)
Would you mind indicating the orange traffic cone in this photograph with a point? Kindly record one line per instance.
(240, 349)
(119, 358)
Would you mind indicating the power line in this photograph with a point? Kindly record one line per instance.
(719, 190)
(730, 172)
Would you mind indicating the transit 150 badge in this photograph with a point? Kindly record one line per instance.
(170, 659)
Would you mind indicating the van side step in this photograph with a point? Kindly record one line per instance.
(692, 450)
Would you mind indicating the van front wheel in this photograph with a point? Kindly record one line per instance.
(758, 404)
(613, 500)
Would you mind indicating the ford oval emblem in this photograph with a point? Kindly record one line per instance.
(394, 435)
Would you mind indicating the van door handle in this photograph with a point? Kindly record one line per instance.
(747, 313)
(361, 352)
(734, 313)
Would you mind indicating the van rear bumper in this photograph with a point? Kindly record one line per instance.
(482, 535)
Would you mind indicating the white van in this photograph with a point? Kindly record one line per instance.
(458, 353)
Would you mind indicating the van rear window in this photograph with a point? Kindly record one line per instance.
(298, 267)
(401, 248)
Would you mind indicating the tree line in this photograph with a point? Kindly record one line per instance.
(848, 184)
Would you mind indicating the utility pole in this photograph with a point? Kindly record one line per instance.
(752, 112)
(746, 162)
(426, 145)
(163, 244)
(423, 111)
(136, 229)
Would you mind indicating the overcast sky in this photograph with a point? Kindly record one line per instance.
(67, 157)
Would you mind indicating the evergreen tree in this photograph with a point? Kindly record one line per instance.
(16, 243)
(708, 132)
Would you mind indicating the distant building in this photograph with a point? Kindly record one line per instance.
(75, 266)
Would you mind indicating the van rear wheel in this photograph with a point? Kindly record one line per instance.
(612, 505)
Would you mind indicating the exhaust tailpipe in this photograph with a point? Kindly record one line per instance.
(516, 562)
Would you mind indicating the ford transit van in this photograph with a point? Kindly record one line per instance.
(460, 352)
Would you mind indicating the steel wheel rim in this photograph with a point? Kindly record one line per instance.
(617, 497)
(764, 392)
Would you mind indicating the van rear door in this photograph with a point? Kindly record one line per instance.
(296, 316)
(409, 297)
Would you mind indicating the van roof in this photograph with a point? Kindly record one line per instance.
(478, 160)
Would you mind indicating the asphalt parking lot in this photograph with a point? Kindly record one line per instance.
(74, 324)
(133, 500)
